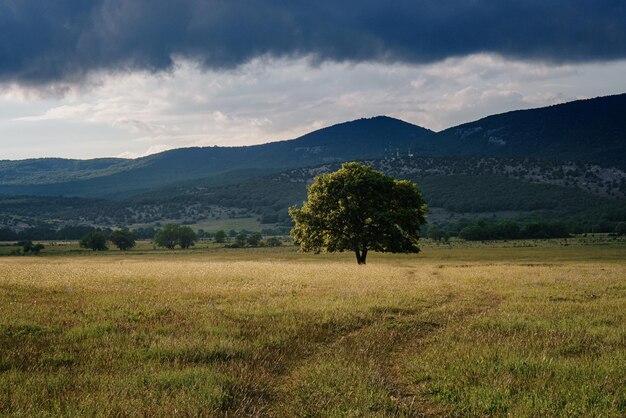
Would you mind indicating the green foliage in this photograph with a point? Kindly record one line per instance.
(437, 234)
(508, 229)
(490, 193)
(620, 229)
(254, 239)
(220, 236)
(241, 239)
(555, 132)
(186, 237)
(123, 239)
(7, 234)
(167, 237)
(544, 230)
(144, 233)
(175, 234)
(29, 248)
(246, 239)
(358, 139)
(95, 241)
(273, 242)
(359, 209)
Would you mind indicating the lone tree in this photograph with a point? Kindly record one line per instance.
(123, 239)
(359, 209)
(95, 241)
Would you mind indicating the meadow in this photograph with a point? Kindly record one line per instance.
(526, 328)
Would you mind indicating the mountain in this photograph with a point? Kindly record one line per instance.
(591, 130)
(564, 162)
(586, 130)
(356, 140)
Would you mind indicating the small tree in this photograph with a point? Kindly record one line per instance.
(186, 237)
(254, 239)
(273, 242)
(123, 239)
(220, 236)
(241, 239)
(95, 241)
(437, 234)
(167, 237)
(359, 209)
(620, 229)
(29, 248)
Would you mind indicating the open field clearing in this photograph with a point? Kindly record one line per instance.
(457, 330)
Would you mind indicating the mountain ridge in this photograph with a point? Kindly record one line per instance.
(101, 177)
(591, 130)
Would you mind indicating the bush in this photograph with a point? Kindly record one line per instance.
(29, 248)
(241, 239)
(273, 242)
(254, 239)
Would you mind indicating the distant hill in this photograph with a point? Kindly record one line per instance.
(564, 162)
(591, 130)
(454, 188)
(356, 140)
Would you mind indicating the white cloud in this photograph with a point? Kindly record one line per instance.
(133, 114)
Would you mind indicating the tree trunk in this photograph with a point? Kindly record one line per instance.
(361, 255)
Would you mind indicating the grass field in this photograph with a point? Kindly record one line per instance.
(517, 328)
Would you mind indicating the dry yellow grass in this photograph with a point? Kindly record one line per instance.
(454, 334)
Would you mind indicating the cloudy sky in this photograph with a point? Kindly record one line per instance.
(94, 78)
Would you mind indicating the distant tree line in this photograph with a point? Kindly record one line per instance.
(483, 230)
(252, 239)
(47, 233)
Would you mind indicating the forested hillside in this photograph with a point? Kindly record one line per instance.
(454, 188)
(591, 130)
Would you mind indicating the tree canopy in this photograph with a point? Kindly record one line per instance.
(29, 248)
(123, 239)
(186, 237)
(175, 234)
(220, 236)
(95, 241)
(359, 209)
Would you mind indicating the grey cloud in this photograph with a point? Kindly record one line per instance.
(43, 42)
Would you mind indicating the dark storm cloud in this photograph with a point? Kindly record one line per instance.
(62, 40)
